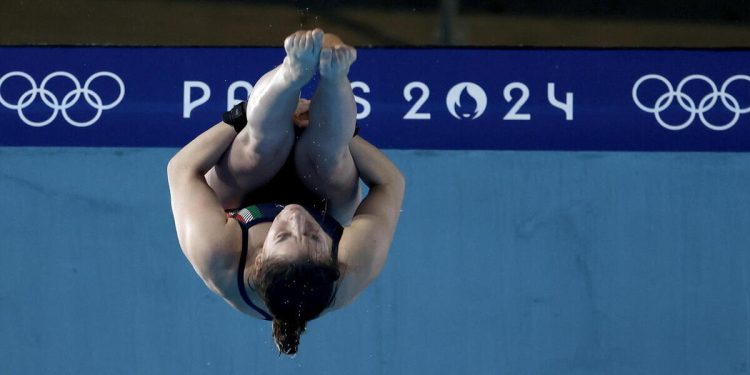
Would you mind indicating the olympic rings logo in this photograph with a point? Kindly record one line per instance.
(69, 100)
(687, 103)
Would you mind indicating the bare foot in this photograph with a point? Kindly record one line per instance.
(302, 54)
(335, 61)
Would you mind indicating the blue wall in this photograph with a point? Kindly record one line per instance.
(504, 262)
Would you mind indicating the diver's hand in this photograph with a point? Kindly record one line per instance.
(301, 116)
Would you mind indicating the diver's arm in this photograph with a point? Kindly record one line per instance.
(203, 230)
(365, 244)
(374, 168)
(203, 152)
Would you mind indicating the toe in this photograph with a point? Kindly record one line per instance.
(289, 42)
(326, 55)
(317, 35)
(297, 37)
(306, 41)
(340, 54)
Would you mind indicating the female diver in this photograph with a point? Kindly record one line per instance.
(270, 214)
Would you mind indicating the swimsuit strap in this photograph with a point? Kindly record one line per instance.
(241, 275)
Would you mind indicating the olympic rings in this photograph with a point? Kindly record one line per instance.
(69, 100)
(689, 104)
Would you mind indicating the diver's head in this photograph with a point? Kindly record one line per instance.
(295, 235)
(295, 274)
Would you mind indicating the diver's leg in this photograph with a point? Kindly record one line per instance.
(262, 147)
(322, 155)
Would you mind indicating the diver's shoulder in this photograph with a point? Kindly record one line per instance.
(214, 261)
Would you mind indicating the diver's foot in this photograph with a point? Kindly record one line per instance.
(335, 61)
(302, 54)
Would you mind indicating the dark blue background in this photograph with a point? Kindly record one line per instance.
(605, 116)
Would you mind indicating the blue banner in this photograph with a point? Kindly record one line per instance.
(491, 99)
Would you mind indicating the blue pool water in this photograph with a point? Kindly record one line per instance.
(504, 262)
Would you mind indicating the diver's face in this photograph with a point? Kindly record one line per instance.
(295, 235)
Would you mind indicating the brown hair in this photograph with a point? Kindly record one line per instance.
(295, 293)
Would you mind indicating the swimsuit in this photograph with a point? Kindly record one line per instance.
(263, 213)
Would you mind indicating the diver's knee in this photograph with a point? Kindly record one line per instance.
(326, 166)
(268, 146)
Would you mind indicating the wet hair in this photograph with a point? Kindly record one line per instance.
(295, 293)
